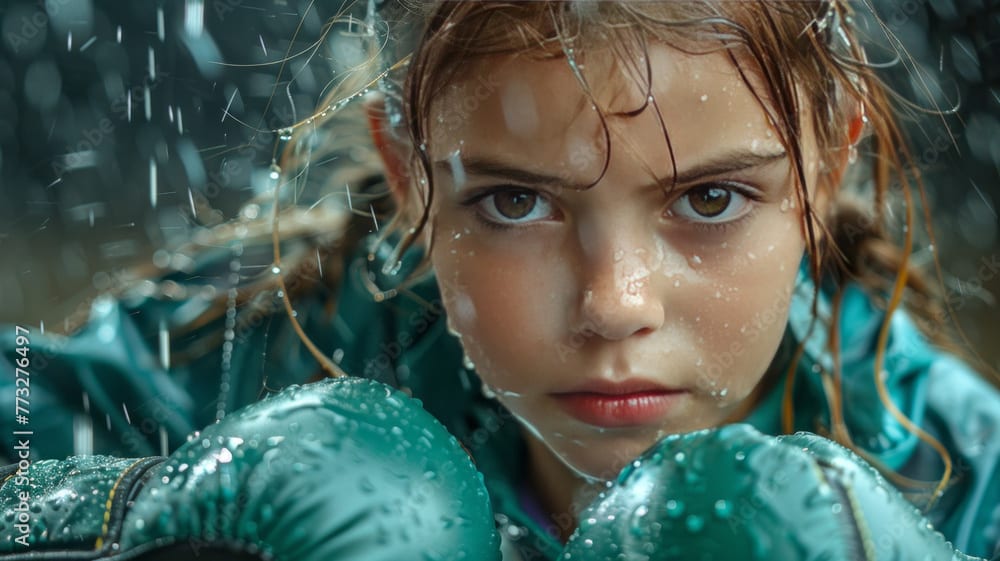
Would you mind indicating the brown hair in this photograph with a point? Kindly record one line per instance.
(803, 53)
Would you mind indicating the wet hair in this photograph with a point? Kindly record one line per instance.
(793, 55)
(800, 59)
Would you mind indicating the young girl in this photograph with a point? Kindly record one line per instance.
(612, 222)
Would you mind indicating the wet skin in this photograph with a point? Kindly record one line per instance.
(556, 290)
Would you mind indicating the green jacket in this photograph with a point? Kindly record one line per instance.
(105, 389)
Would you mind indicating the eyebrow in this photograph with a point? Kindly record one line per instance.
(728, 162)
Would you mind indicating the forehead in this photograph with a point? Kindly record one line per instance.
(518, 107)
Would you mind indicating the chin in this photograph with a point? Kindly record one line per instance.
(604, 458)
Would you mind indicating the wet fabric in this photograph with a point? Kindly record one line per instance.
(85, 379)
(342, 468)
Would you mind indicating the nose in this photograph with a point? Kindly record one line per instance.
(619, 297)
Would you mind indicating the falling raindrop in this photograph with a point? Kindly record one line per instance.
(151, 62)
(164, 442)
(225, 113)
(164, 345)
(194, 17)
(83, 435)
(161, 32)
(152, 182)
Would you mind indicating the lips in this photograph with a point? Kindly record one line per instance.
(629, 403)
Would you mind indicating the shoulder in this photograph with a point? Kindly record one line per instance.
(963, 412)
(966, 402)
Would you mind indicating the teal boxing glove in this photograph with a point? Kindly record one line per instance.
(733, 493)
(342, 469)
(68, 509)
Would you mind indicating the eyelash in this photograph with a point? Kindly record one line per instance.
(751, 194)
(478, 196)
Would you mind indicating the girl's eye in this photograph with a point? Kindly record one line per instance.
(712, 204)
(514, 206)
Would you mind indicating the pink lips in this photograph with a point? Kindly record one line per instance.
(632, 402)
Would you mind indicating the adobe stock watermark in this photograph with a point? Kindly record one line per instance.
(27, 28)
(466, 99)
(82, 153)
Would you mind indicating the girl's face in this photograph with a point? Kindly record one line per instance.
(606, 318)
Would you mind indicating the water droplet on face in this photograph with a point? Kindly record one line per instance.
(677, 283)
(704, 97)
(784, 205)
(696, 260)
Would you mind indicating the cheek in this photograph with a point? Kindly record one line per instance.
(744, 300)
(503, 306)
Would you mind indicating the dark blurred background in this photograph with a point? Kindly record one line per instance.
(127, 125)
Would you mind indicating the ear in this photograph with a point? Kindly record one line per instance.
(843, 157)
(392, 151)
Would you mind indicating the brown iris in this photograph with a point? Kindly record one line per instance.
(515, 204)
(709, 201)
